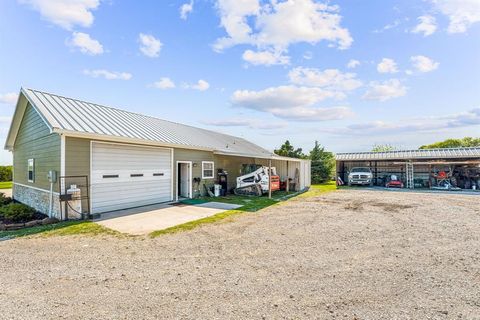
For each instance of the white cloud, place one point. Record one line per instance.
(352, 64)
(330, 79)
(9, 98)
(427, 25)
(291, 102)
(308, 55)
(277, 25)
(65, 13)
(149, 45)
(389, 26)
(85, 43)
(201, 85)
(109, 75)
(424, 64)
(461, 13)
(387, 66)
(314, 114)
(415, 125)
(383, 91)
(5, 119)
(245, 122)
(267, 58)
(186, 9)
(164, 83)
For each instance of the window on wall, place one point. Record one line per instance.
(207, 169)
(31, 170)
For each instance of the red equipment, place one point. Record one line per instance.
(393, 182)
(275, 183)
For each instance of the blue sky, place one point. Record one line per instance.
(349, 74)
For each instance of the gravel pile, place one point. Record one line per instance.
(351, 254)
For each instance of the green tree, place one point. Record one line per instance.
(454, 143)
(323, 164)
(287, 150)
(382, 147)
(5, 173)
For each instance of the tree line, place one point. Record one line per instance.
(467, 142)
(323, 162)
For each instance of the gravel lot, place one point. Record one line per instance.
(351, 254)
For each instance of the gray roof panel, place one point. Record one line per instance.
(84, 117)
(449, 153)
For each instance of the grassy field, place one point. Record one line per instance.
(6, 185)
(249, 204)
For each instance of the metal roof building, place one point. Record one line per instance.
(119, 159)
(72, 116)
(451, 153)
(457, 167)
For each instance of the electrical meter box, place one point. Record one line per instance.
(52, 176)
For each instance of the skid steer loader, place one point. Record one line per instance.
(255, 183)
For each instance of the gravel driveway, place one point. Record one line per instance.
(350, 254)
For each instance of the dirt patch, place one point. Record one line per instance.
(344, 255)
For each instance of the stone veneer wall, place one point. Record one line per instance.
(37, 199)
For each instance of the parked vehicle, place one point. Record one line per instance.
(360, 176)
(255, 181)
(392, 181)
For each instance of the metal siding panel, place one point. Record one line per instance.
(34, 140)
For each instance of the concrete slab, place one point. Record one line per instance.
(144, 220)
(219, 205)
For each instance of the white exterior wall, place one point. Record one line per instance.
(304, 167)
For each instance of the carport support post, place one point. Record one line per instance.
(288, 183)
(270, 179)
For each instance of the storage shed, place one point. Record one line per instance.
(452, 168)
(117, 159)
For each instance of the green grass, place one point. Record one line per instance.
(318, 189)
(249, 204)
(6, 185)
(65, 228)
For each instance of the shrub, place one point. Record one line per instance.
(17, 212)
(6, 173)
(4, 200)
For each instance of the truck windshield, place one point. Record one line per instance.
(360, 170)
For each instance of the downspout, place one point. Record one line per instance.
(50, 205)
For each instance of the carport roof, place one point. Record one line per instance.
(73, 117)
(449, 153)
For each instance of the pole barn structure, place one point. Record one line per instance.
(451, 168)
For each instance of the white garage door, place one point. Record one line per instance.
(125, 176)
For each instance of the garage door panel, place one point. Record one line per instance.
(139, 189)
(122, 190)
(119, 176)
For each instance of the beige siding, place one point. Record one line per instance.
(77, 157)
(34, 141)
(196, 157)
(77, 162)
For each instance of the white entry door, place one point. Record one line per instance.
(127, 176)
(184, 179)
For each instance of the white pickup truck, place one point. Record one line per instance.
(360, 176)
